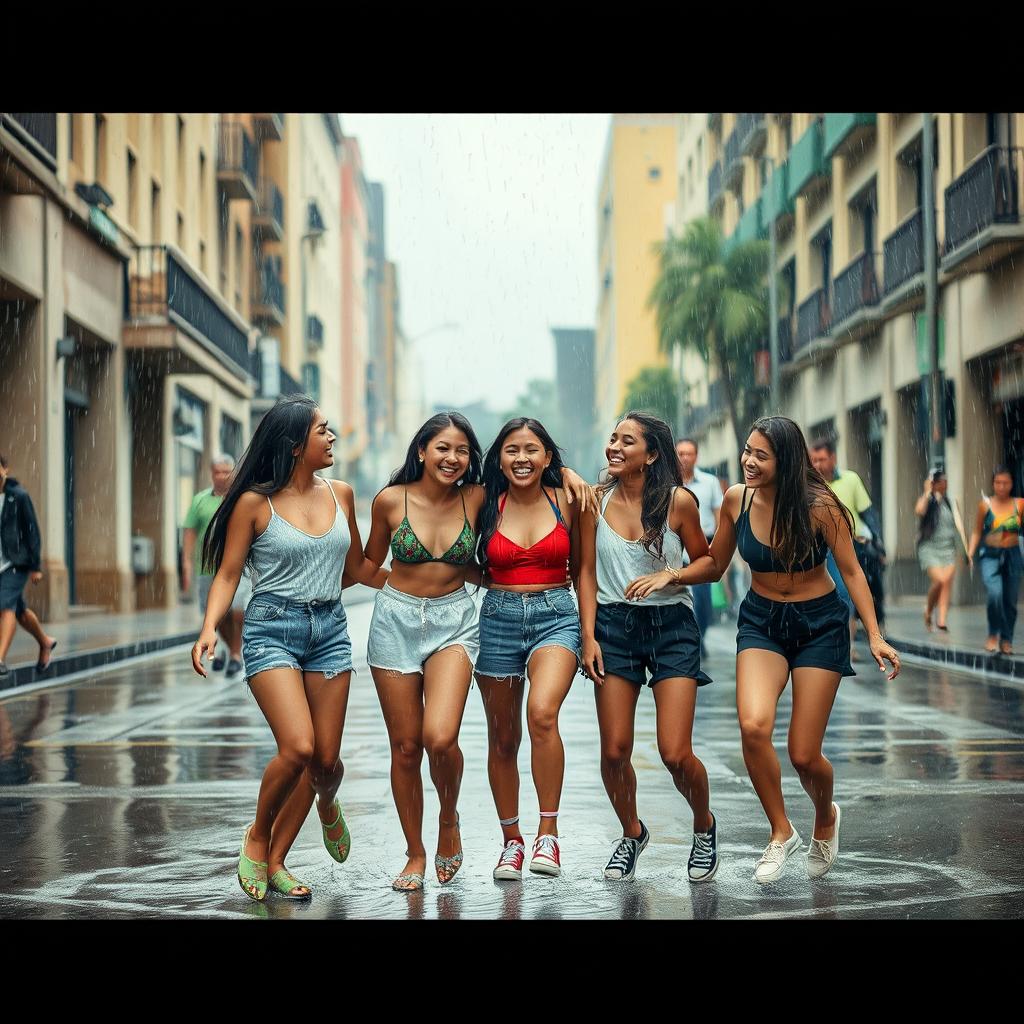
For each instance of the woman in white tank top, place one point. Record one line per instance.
(638, 624)
(297, 533)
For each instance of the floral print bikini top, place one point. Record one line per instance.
(406, 546)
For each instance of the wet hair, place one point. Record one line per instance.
(412, 469)
(265, 467)
(496, 483)
(660, 477)
(799, 487)
(930, 520)
(827, 443)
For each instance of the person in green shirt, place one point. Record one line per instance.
(867, 529)
(201, 511)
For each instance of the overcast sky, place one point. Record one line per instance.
(491, 219)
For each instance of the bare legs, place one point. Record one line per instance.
(551, 670)
(940, 593)
(424, 712)
(761, 676)
(230, 629)
(30, 623)
(675, 700)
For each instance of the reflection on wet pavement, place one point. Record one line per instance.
(126, 796)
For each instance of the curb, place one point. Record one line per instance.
(73, 663)
(980, 662)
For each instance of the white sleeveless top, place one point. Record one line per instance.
(620, 561)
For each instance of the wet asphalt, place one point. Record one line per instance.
(125, 796)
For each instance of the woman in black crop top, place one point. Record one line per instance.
(784, 518)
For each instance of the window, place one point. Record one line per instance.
(71, 138)
(202, 194)
(202, 256)
(181, 158)
(230, 436)
(133, 191)
(654, 173)
(180, 237)
(239, 254)
(99, 153)
(155, 234)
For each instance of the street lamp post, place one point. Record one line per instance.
(936, 395)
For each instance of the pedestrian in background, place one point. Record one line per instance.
(867, 532)
(200, 513)
(999, 520)
(708, 491)
(298, 655)
(936, 546)
(20, 561)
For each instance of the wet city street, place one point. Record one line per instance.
(125, 796)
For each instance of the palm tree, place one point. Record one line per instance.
(653, 389)
(712, 297)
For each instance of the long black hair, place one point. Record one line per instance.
(930, 520)
(265, 467)
(660, 477)
(496, 483)
(799, 486)
(412, 469)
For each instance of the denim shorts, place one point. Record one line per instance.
(660, 639)
(406, 630)
(311, 636)
(808, 634)
(12, 589)
(513, 626)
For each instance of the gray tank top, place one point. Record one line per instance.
(290, 563)
(620, 561)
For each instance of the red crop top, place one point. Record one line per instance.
(547, 561)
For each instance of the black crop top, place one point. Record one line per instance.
(759, 556)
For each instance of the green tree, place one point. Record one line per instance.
(653, 389)
(713, 298)
(540, 402)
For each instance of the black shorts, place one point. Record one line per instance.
(660, 639)
(808, 634)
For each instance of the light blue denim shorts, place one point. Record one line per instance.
(406, 630)
(311, 636)
(513, 626)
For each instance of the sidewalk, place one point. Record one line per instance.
(963, 645)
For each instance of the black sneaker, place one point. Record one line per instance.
(622, 866)
(218, 664)
(234, 667)
(703, 862)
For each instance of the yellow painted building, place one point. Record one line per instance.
(638, 186)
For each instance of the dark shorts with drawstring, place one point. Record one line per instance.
(808, 634)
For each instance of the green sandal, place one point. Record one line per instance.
(338, 848)
(252, 874)
(282, 882)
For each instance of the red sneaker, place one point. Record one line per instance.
(510, 864)
(546, 858)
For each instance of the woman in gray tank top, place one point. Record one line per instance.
(638, 625)
(297, 535)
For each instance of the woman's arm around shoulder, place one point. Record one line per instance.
(384, 508)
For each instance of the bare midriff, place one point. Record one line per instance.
(800, 586)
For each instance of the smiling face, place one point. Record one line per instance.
(523, 458)
(319, 453)
(446, 456)
(626, 451)
(758, 460)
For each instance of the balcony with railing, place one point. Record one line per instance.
(269, 127)
(776, 204)
(785, 330)
(272, 379)
(807, 165)
(752, 130)
(715, 189)
(268, 213)
(733, 168)
(268, 304)
(844, 132)
(855, 297)
(163, 289)
(238, 162)
(813, 320)
(983, 222)
(903, 262)
(314, 332)
(37, 132)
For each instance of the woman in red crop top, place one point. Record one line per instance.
(529, 626)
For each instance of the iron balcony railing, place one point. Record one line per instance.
(288, 384)
(270, 288)
(162, 285)
(856, 288)
(39, 132)
(985, 194)
(785, 339)
(748, 127)
(903, 251)
(813, 319)
(271, 203)
(715, 183)
(733, 156)
(237, 152)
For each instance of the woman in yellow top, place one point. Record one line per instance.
(999, 522)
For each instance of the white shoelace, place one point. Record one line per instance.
(702, 853)
(512, 852)
(775, 853)
(546, 846)
(822, 848)
(623, 852)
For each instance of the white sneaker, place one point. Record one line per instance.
(823, 852)
(773, 860)
(510, 864)
(546, 859)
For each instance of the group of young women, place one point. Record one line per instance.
(528, 529)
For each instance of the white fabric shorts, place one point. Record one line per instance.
(406, 630)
